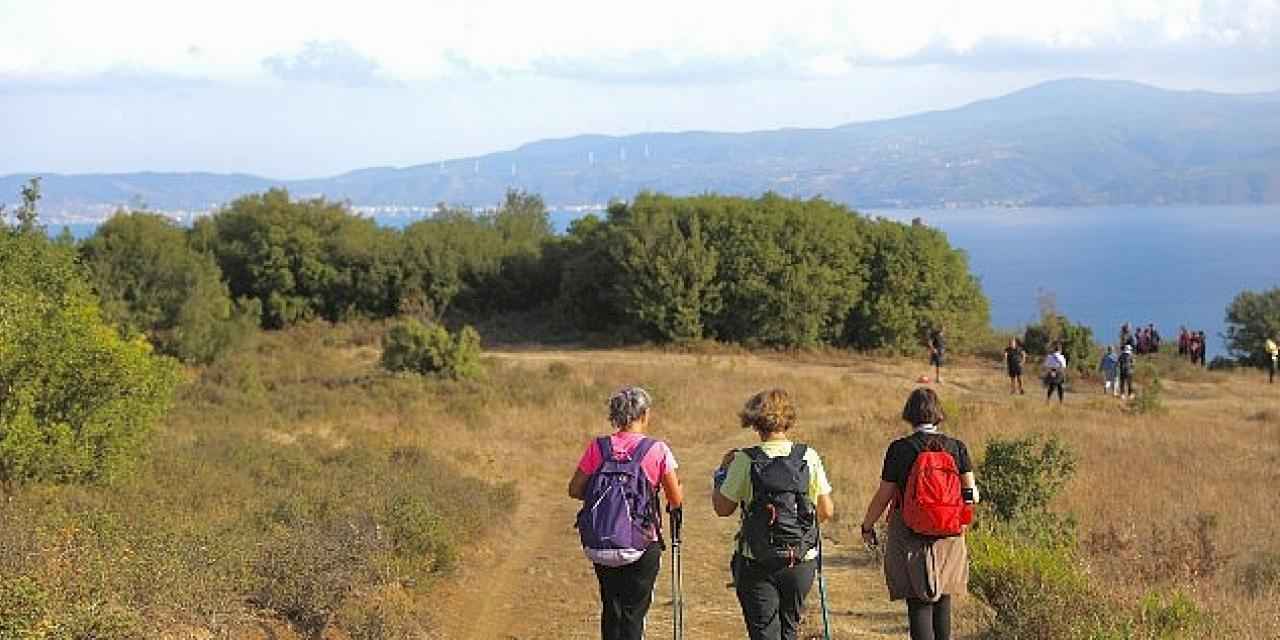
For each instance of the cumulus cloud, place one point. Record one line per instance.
(334, 62)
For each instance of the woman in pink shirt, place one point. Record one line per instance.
(626, 570)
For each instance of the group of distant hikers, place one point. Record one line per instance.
(782, 493)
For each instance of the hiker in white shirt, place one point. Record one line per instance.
(1055, 372)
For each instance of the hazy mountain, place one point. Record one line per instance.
(1068, 142)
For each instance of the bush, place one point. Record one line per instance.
(1150, 400)
(1252, 317)
(151, 281)
(1036, 592)
(76, 399)
(429, 349)
(1021, 476)
(1170, 616)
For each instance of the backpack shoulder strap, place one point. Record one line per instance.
(642, 449)
(798, 451)
(756, 454)
(605, 443)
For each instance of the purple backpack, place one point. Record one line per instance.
(619, 517)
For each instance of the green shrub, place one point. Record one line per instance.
(1171, 616)
(1150, 400)
(76, 399)
(1021, 476)
(1036, 592)
(429, 349)
(419, 533)
(151, 281)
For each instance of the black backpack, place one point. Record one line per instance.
(780, 524)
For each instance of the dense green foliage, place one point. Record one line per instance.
(1077, 340)
(76, 399)
(770, 270)
(429, 349)
(151, 281)
(1253, 317)
(302, 259)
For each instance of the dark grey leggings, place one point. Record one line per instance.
(930, 620)
(1052, 386)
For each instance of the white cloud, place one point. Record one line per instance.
(657, 41)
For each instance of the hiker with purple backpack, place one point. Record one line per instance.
(785, 495)
(620, 524)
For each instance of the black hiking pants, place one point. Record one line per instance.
(930, 620)
(771, 600)
(625, 595)
(1125, 384)
(1052, 385)
(1271, 370)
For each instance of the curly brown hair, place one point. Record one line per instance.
(923, 407)
(769, 411)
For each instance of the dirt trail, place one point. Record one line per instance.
(531, 581)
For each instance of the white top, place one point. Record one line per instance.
(1055, 361)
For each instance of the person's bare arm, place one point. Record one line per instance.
(723, 506)
(672, 489)
(826, 508)
(578, 485)
(879, 502)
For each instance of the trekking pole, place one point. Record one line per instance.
(822, 590)
(677, 577)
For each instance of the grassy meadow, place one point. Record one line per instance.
(297, 490)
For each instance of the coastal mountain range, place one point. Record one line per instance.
(1062, 143)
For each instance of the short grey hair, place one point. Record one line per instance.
(627, 405)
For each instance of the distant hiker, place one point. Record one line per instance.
(1055, 372)
(1126, 335)
(1144, 340)
(1201, 347)
(1108, 366)
(928, 479)
(620, 522)
(1155, 338)
(937, 352)
(1125, 367)
(784, 493)
(1273, 359)
(1194, 347)
(1014, 357)
(1184, 340)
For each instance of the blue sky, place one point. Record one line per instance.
(301, 89)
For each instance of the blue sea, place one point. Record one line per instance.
(1104, 266)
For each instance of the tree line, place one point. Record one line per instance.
(769, 270)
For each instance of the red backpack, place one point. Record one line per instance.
(932, 504)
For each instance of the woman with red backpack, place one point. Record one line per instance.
(928, 479)
(620, 523)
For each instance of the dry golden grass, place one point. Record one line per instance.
(1215, 451)
(1146, 475)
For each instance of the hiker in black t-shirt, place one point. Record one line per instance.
(1014, 357)
(937, 352)
(927, 586)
